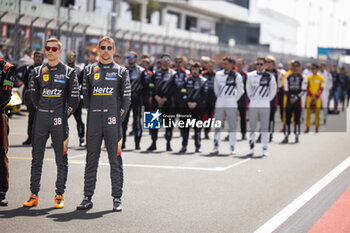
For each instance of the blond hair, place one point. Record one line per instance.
(55, 40)
(108, 39)
(271, 58)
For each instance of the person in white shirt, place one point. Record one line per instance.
(328, 84)
(228, 88)
(261, 89)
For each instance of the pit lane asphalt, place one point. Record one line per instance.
(165, 192)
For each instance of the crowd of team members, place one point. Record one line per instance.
(207, 90)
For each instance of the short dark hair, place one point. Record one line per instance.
(178, 58)
(117, 55)
(229, 59)
(296, 63)
(261, 58)
(196, 64)
(165, 55)
(315, 65)
(38, 51)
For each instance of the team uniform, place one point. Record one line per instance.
(261, 89)
(107, 95)
(137, 84)
(228, 88)
(294, 88)
(328, 84)
(28, 101)
(315, 86)
(55, 94)
(163, 85)
(194, 90)
(210, 97)
(7, 80)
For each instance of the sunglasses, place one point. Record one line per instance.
(269, 61)
(178, 62)
(130, 57)
(48, 48)
(165, 59)
(70, 57)
(259, 64)
(144, 64)
(106, 47)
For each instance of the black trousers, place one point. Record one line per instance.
(103, 125)
(55, 124)
(80, 124)
(136, 108)
(4, 163)
(290, 109)
(195, 115)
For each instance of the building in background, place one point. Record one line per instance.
(190, 27)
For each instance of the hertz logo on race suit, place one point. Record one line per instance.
(103, 91)
(52, 92)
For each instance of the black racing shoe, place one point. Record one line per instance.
(270, 139)
(27, 142)
(198, 150)
(152, 147)
(86, 204)
(296, 139)
(168, 147)
(206, 137)
(117, 205)
(183, 150)
(137, 147)
(285, 140)
(3, 201)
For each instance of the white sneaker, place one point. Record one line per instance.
(233, 151)
(265, 153)
(215, 151)
(251, 152)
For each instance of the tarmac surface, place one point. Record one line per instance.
(169, 192)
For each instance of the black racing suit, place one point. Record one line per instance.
(163, 86)
(243, 106)
(55, 94)
(273, 105)
(28, 101)
(210, 101)
(78, 112)
(137, 84)
(147, 89)
(179, 81)
(343, 79)
(7, 80)
(107, 95)
(295, 87)
(195, 90)
(335, 89)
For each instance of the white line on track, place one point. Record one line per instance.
(293, 207)
(216, 169)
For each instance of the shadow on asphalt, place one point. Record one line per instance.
(17, 146)
(78, 215)
(23, 211)
(215, 155)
